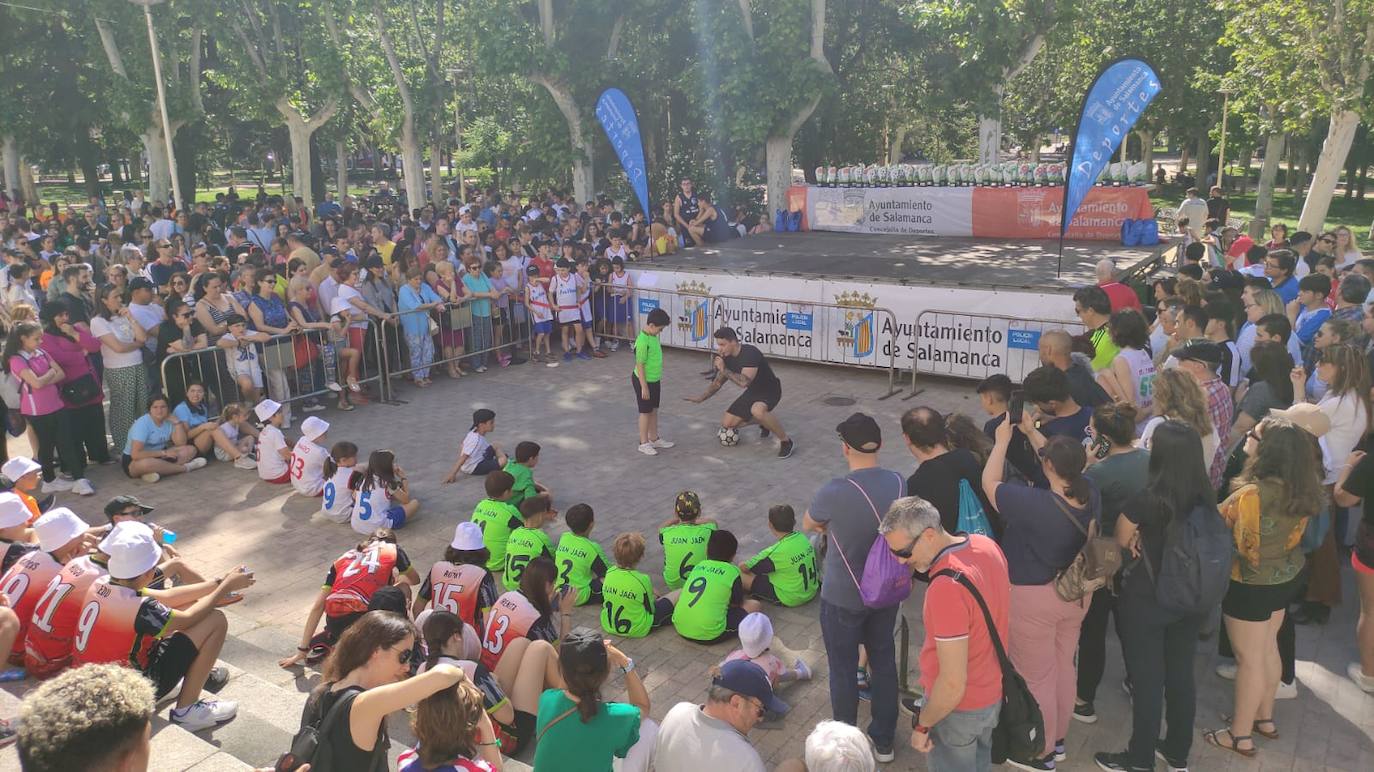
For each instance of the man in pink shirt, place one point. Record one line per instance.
(960, 672)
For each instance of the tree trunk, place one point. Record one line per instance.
(1183, 157)
(27, 183)
(299, 129)
(436, 180)
(1291, 174)
(1264, 195)
(1147, 152)
(412, 166)
(1334, 151)
(1364, 172)
(1035, 148)
(989, 139)
(777, 153)
(582, 176)
(116, 171)
(159, 172)
(1243, 161)
(894, 147)
(341, 170)
(1204, 160)
(10, 148)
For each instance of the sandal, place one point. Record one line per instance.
(1272, 734)
(344, 406)
(1211, 736)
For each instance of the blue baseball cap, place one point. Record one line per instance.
(746, 678)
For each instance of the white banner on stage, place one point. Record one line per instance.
(902, 211)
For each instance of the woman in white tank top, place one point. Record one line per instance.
(1131, 375)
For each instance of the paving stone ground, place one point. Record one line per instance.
(583, 415)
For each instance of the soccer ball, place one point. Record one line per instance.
(728, 436)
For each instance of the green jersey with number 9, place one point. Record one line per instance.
(790, 564)
(700, 611)
(627, 607)
(684, 545)
(524, 545)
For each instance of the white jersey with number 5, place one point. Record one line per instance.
(370, 507)
(337, 501)
(307, 467)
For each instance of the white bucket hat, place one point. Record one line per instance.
(18, 467)
(132, 553)
(266, 409)
(313, 426)
(467, 536)
(13, 511)
(57, 527)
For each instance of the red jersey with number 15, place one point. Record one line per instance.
(466, 591)
(357, 575)
(48, 644)
(24, 584)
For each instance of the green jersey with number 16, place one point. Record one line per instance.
(684, 545)
(627, 607)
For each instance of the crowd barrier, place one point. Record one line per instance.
(974, 346)
(852, 332)
(456, 334)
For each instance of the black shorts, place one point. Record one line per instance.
(124, 461)
(595, 587)
(663, 612)
(646, 405)
(762, 588)
(488, 464)
(168, 662)
(742, 406)
(1257, 602)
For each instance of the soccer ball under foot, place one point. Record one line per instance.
(728, 436)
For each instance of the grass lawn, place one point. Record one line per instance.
(1350, 212)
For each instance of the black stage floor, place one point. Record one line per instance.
(949, 261)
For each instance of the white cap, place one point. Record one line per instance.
(57, 527)
(266, 409)
(123, 525)
(13, 511)
(467, 536)
(755, 634)
(133, 552)
(18, 467)
(313, 426)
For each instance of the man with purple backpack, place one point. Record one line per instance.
(864, 585)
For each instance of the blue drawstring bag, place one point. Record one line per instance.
(780, 222)
(794, 222)
(972, 517)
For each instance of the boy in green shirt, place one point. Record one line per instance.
(684, 539)
(497, 518)
(528, 541)
(521, 468)
(712, 603)
(581, 562)
(646, 380)
(784, 572)
(629, 607)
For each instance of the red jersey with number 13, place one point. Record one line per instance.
(512, 617)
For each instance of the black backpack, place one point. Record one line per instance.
(1195, 569)
(310, 745)
(1020, 730)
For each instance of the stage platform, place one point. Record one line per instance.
(905, 260)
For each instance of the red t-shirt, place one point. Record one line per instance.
(951, 613)
(1120, 295)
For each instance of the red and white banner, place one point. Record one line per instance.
(1007, 213)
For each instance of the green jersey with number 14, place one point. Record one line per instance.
(790, 563)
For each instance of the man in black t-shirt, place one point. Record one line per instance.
(744, 365)
(941, 469)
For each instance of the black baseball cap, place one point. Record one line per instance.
(860, 432)
(532, 270)
(140, 282)
(1206, 353)
(563, 263)
(120, 503)
(746, 678)
(583, 651)
(482, 415)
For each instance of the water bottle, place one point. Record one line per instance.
(169, 537)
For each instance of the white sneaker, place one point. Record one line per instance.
(1361, 680)
(1286, 691)
(1227, 670)
(57, 485)
(151, 477)
(83, 487)
(244, 462)
(803, 671)
(333, 386)
(195, 464)
(648, 449)
(204, 714)
(662, 444)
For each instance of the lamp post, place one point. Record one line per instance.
(161, 98)
(458, 137)
(1221, 151)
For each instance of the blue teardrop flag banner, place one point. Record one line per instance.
(1110, 108)
(617, 117)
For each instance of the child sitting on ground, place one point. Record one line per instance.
(581, 562)
(22, 476)
(497, 518)
(241, 356)
(684, 538)
(478, 456)
(629, 607)
(238, 432)
(759, 645)
(529, 540)
(522, 469)
(460, 583)
(308, 457)
(383, 500)
(273, 452)
(714, 602)
(785, 571)
(342, 478)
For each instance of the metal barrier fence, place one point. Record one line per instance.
(852, 332)
(445, 335)
(287, 368)
(975, 346)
